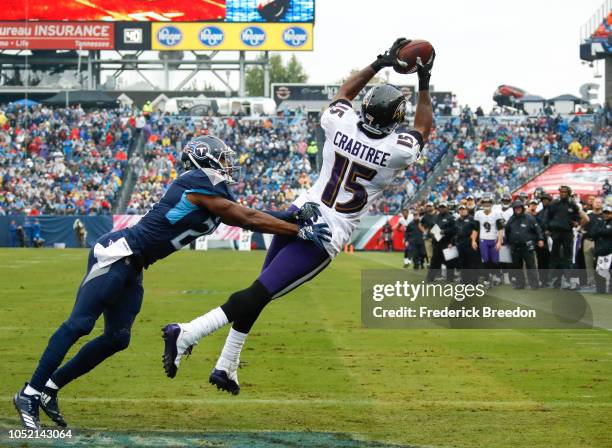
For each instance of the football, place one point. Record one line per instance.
(409, 53)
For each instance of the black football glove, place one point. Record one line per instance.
(310, 210)
(424, 71)
(317, 233)
(389, 57)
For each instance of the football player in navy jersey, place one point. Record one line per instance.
(194, 205)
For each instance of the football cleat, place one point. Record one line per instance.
(223, 381)
(49, 404)
(175, 348)
(27, 407)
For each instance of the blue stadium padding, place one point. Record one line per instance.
(55, 229)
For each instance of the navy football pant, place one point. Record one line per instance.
(289, 263)
(115, 291)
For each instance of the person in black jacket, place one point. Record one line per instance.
(415, 242)
(446, 223)
(595, 216)
(602, 235)
(543, 253)
(523, 233)
(562, 216)
(466, 240)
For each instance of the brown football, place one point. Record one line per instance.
(409, 53)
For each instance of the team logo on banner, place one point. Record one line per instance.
(295, 36)
(253, 36)
(169, 36)
(211, 36)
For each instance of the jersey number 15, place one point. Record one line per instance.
(356, 171)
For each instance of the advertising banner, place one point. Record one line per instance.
(57, 36)
(161, 10)
(320, 92)
(232, 36)
(586, 179)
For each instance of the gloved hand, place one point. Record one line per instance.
(424, 71)
(389, 57)
(308, 211)
(317, 233)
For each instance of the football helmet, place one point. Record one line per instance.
(382, 109)
(210, 152)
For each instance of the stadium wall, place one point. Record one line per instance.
(60, 230)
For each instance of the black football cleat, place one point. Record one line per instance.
(49, 404)
(27, 407)
(223, 382)
(172, 349)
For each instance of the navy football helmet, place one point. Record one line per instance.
(210, 152)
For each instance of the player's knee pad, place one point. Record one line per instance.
(246, 303)
(120, 339)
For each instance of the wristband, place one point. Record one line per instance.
(378, 65)
(424, 83)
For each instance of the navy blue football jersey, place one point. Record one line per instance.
(175, 222)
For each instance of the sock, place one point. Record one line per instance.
(405, 260)
(204, 325)
(29, 390)
(230, 355)
(51, 385)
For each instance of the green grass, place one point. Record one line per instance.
(308, 364)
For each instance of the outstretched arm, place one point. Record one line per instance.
(236, 215)
(423, 118)
(352, 86)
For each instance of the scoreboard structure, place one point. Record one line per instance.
(596, 43)
(170, 27)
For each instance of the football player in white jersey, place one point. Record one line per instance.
(490, 234)
(361, 156)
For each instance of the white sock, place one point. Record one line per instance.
(230, 355)
(29, 390)
(406, 260)
(50, 384)
(204, 325)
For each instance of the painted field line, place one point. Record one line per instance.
(343, 402)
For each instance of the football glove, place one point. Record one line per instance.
(310, 210)
(424, 71)
(317, 233)
(389, 58)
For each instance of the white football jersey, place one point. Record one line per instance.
(355, 171)
(488, 223)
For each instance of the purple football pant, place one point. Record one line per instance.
(488, 252)
(290, 262)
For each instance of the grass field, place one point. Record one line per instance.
(309, 368)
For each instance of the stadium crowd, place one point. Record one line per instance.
(61, 160)
(490, 155)
(68, 161)
(272, 152)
